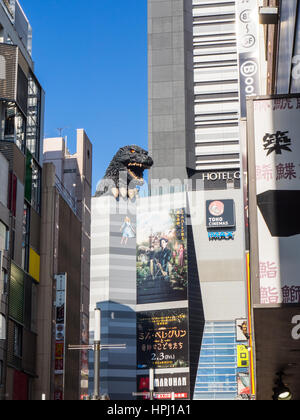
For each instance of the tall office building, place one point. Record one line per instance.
(216, 86)
(193, 88)
(21, 114)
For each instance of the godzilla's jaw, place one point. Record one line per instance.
(136, 171)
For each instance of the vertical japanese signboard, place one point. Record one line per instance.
(59, 357)
(275, 149)
(248, 47)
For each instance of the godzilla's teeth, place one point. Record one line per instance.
(135, 164)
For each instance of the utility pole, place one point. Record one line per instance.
(151, 383)
(96, 347)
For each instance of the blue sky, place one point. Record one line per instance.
(91, 59)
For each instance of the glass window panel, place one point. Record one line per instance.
(2, 327)
(33, 117)
(216, 376)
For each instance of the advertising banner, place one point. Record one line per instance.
(277, 173)
(162, 256)
(242, 332)
(59, 356)
(242, 356)
(243, 381)
(162, 339)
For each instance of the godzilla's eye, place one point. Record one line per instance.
(132, 151)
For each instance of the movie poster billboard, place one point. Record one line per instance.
(276, 171)
(162, 256)
(162, 339)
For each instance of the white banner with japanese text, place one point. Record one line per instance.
(277, 159)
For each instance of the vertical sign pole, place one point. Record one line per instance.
(97, 353)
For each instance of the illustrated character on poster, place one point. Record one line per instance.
(127, 230)
(151, 259)
(163, 259)
(181, 254)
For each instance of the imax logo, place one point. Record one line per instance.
(296, 329)
(219, 236)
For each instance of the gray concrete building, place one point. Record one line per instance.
(113, 290)
(171, 88)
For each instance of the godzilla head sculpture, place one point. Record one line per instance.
(125, 172)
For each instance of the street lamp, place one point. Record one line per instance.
(281, 392)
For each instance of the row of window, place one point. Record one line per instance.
(25, 131)
(217, 370)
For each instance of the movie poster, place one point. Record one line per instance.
(162, 339)
(162, 256)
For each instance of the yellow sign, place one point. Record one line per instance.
(34, 265)
(242, 356)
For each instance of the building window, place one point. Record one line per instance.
(9, 127)
(217, 369)
(15, 126)
(16, 294)
(2, 327)
(4, 246)
(1, 372)
(4, 237)
(18, 340)
(3, 282)
(33, 117)
(34, 307)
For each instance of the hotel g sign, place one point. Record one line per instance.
(218, 176)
